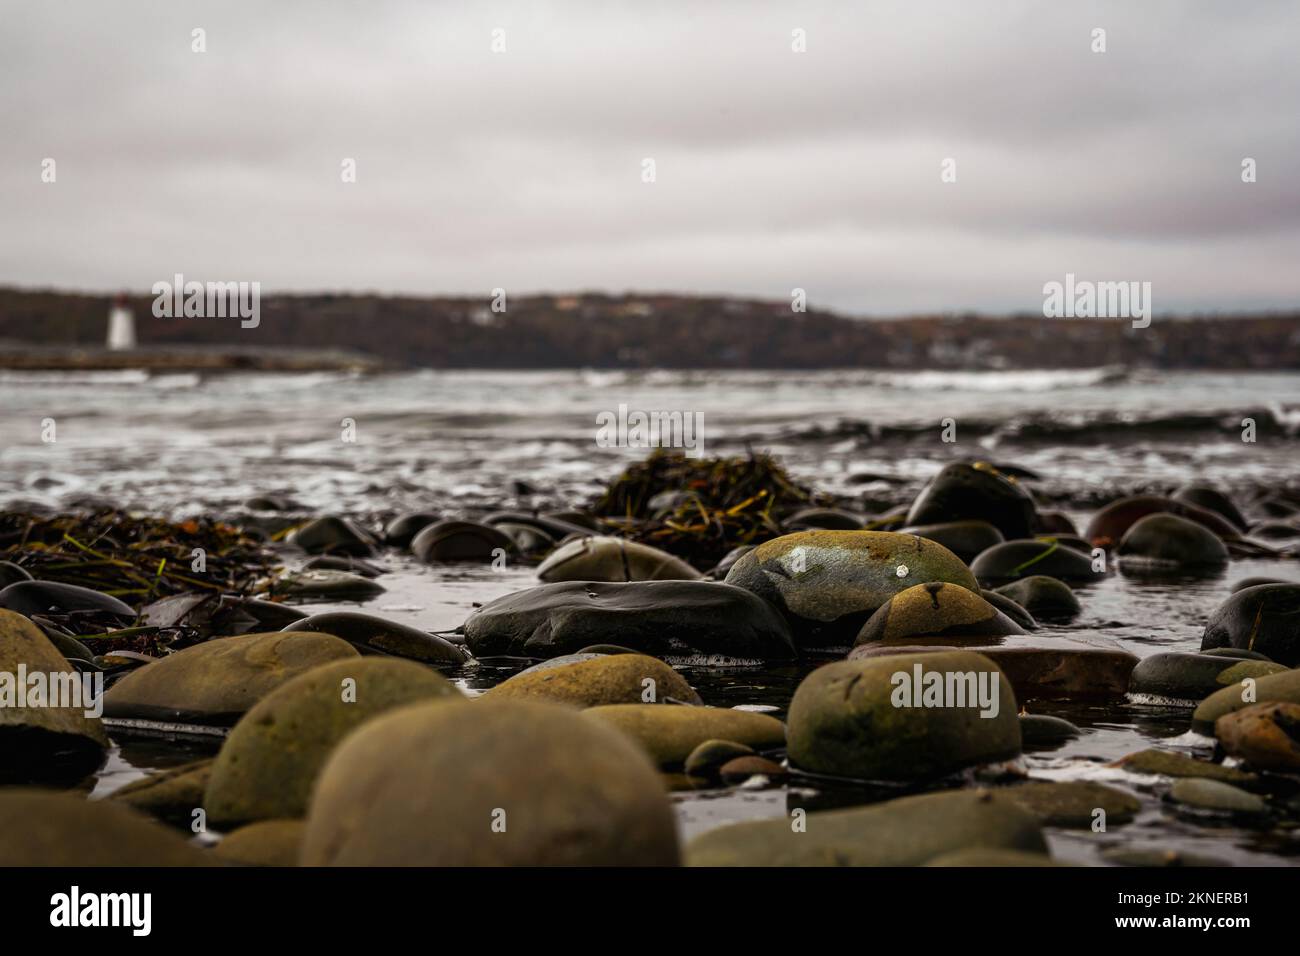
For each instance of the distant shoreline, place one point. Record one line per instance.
(192, 359)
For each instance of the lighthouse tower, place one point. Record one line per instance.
(121, 326)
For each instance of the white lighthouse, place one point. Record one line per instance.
(121, 326)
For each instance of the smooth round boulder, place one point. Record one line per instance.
(966, 539)
(975, 492)
(331, 534)
(505, 783)
(265, 843)
(341, 562)
(604, 558)
(1073, 804)
(1179, 675)
(44, 828)
(1211, 499)
(39, 742)
(601, 679)
(11, 573)
(171, 795)
(401, 531)
(676, 621)
(1045, 597)
(1014, 560)
(1217, 796)
(936, 610)
(325, 584)
(1044, 730)
(39, 597)
(374, 635)
(1166, 541)
(827, 519)
(1280, 688)
(1264, 618)
(741, 769)
(1166, 763)
(670, 734)
(267, 766)
(218, 681)
(908, 831)
(1010, 608)
(903, 717)
(448, 541)
(827, 583)
(1109, 525)
(709, 757)
(1264, 736)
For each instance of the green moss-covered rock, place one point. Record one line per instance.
(505, 783)
(1074, 803)
(1169, 764)
(218, 681)
(1281, 688)
(903, 717)
(265, 843)
(828, 583)
(670, 734)
(1014, 560)
(602, 558)
(909, 831)
(267, 766)
(707, 758)
(43, 743)
(1216, 795)
(43, 828)
(1265, 736)
(1044, 597)
(602, 679)
(936, 610)
(1264, 618)
(963, 492)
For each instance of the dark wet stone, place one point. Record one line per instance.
(1265, 618)
(40, 597)
(729, 559)
(218, 681)
(1264, 736)
(966, 539)
(371, 634)
(909, 831)
(1280, 688)
(1109, 525)
(1169, 764)
(1278, 507)
(11, 573)
(827, 583)
(265, 843)
(1056, 523)
(527, 539)
(1168, 541)
(580, 519)
(602, 558)
(707, 758)
(1256, 582)
(962, 492)
(1211, 499)
(1068, 540)
(1020, 559)
(1041, 730)
(665, 619)
(1046, 598)
(740, 769)
(332, 562)
(1182, 675)
(42, 744)
(433, 785)
(1236, 653)
(670, 734)
(326, 585)
(69, 647)
(1275, 531)
(331, 534)
(42, 828)
(869, 719)
(401, 531)
(936, 610)
(596, 680)
(1073, 804)
(171, 795)
(828, 519)
(1010, 608)
(1216, 795)
(271, 503)
(460, 541)
(274, 754)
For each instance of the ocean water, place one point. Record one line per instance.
(461, 442)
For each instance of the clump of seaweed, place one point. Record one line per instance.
(136, 559)
(701, 508)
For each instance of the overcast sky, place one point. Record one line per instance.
(774, 169)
